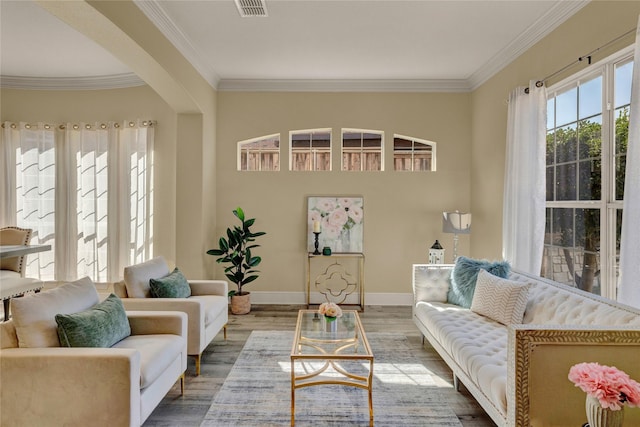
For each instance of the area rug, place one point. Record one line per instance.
(257, 391)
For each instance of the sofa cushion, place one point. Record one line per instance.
(137, 277)
(499, 299)
(477, 344)
(552, 303)
(157, 353)
(464, 275)
(102, 325)
(173, 285)
(34, 314)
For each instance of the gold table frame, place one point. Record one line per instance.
(336, 259)
(331, 348)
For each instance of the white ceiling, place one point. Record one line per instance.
(302, 44)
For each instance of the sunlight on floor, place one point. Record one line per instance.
(396, 373)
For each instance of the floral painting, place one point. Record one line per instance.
(339, 221)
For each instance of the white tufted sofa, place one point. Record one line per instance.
(518, 373)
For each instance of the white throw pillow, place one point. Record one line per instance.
(500, 299)
(34, 315)
(136, 277)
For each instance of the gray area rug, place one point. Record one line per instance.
(257, 391)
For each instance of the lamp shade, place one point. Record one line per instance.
(456, 222)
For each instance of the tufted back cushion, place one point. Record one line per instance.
(431, 282)
(557, 304)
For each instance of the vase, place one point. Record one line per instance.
(345, 240)
(602, 417)
(330, 324)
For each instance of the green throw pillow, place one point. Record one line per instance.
(465, 275)
(174, 285)
(102, 325)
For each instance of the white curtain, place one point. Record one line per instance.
(523, 214)
(629, 279)
(85, 189)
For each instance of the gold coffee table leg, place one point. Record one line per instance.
(293, 394)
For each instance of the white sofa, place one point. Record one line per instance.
(518, 373)
(207, 307)
(44, 384)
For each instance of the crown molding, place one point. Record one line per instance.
(548, 22)
(355, 85)
(156, 14)
(115, 81)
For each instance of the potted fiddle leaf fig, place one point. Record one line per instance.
(235, 251)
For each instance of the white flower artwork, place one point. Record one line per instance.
(339, 221)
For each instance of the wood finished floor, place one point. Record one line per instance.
(219, 357)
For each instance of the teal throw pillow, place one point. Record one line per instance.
(465, 274)
(174, 285)
(102, 325)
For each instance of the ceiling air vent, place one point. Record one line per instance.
(251, 8)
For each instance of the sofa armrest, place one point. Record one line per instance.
(70, 386)
(431, 282)
(209, 287)
(158, 322)
(538, 361)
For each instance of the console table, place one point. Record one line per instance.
(338, 277)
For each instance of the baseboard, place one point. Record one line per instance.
(298, 298)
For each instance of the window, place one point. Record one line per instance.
(587, 129)
(259, 154)
(86, 190)
(310, 150)
(362, 150)
(413, 154)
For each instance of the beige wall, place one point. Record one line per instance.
(402, 209)
(197, 183)
(593, 26)
(112, 105)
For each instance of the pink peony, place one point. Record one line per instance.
(611, 386)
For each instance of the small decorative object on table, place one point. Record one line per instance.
(331, 311)
(608, 389)
(316, 233)
(326, 251)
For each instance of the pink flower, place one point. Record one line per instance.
(338, 218)
(330, 309)
(611, 386)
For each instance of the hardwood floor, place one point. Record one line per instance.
(219, 357)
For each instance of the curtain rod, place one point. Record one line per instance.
(587, 56)
(143, 123)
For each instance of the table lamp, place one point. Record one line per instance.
(457, 223)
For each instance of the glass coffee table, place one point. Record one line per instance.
(330, 353)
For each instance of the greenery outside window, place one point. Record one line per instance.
(362, 150)
(413, 154)
(259, 154)
(310, 150)
(587, 133)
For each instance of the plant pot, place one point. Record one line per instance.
(241, 304)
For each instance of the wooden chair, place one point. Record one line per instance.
(13, 284)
